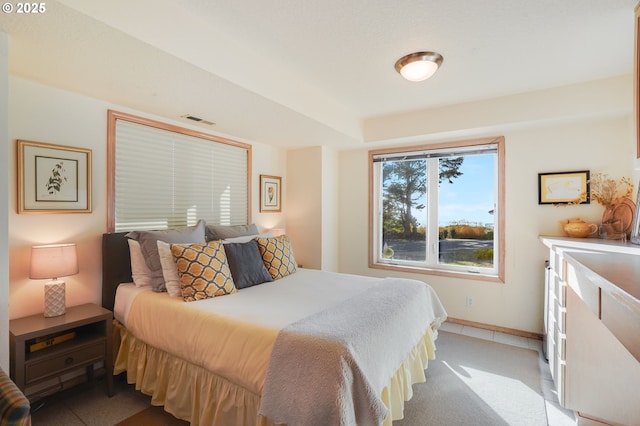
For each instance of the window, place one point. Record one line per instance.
(163, 176)
(439, 209)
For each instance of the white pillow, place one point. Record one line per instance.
(246, 238)
(140, 272)
(169, 270)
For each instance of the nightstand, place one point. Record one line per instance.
(84, 336)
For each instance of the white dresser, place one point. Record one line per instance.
(593, 328)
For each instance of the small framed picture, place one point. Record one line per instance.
(270, 193)
(564, 188)
(53, 178)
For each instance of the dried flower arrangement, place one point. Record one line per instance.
(605, 190)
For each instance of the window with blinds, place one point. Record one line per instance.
(163, 176)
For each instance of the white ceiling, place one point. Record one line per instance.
(300, 72)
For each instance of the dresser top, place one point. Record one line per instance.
(613, 265)
(612, 246)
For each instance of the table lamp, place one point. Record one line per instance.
(277, 231)
(53, 261)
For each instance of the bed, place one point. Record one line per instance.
(309, 347)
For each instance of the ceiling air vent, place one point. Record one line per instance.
(198, 119)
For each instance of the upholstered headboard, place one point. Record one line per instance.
(116, 260)
(116, 266)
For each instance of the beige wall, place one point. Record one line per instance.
(330, 210)
(612, 96)
(594, 136)
(312, 211)
(45, 114)
(304, 205)
(325, 202)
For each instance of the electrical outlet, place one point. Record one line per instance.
(469, 301)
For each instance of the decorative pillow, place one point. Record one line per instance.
(139, 270)
(203, 270)
(246, 265)
(222, 232)
(169, 270)
(149, 245)
(277, 256)
(246, 238)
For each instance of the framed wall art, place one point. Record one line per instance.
(270, 193)
(635, 228)
(564, 188)
(53, 178)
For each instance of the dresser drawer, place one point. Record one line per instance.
(561, 346)
(560, 316)
(560, 381)
(560, 290)
(556, 263)
(69, 359)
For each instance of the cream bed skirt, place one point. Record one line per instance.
(194, 394)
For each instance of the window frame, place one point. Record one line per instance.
(112, 118)
(499, 214)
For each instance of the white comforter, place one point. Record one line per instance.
(330, 368)
(233, 335)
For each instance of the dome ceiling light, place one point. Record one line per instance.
(419, 66)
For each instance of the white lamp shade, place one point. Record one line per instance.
(278, 231)
(53, 261)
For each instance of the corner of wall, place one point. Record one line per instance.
(330, 207)
(4, 207)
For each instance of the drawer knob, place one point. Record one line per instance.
(68, 361)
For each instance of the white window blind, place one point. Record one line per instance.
(165, 179)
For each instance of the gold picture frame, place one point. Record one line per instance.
(564, 188)
(635, 227)
(53, 178)
(270, 193)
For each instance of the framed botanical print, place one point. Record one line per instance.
(53, 178)
(270, 193)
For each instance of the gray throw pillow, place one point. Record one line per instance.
(222, 232)
(149, 246)
(245, 262)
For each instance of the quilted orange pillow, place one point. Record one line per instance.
(203, 270)
(277, 256)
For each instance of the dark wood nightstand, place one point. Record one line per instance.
(87, 330)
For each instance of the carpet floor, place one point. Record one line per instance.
(471, 382)
(478, 382)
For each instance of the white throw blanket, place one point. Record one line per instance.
(330, 368)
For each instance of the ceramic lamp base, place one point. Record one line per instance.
(54, 299)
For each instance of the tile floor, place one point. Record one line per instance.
(88, 405)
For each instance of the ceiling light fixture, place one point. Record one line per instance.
(419, 66)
